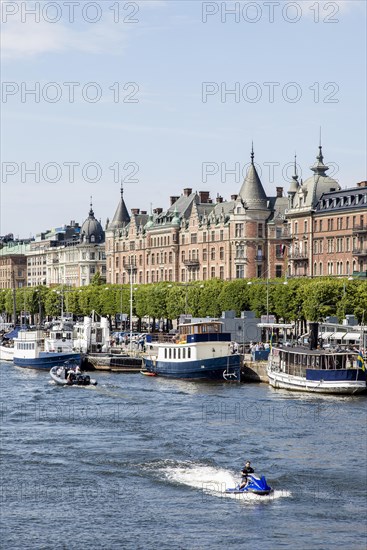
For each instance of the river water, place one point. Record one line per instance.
(141, 462)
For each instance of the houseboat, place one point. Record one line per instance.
(200, 350)
(314, 369)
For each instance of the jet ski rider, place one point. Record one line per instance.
(247, 469)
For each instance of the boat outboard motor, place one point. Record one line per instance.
(314, 335)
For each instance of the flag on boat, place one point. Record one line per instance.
(360, 361)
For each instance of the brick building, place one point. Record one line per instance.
(318, 229)
(13, 264)
(198, 239)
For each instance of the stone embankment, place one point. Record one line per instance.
(253, 371)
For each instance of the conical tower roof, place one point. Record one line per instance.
(121, 217)
(252, 191)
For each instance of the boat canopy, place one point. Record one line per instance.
(203, 327)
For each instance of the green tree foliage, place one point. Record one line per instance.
(235, 295)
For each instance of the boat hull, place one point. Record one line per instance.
(6, 354)
(327, 384)
(46, 361)
(203, 369)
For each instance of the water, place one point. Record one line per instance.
(140, 462)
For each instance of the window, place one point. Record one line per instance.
(296, 228)
(170, 258)
(221, 235)
(260, 230)
(278, 271)
(204, 237)
(240, 251)
(221, 253)
(205, 255)
(221, 272)
(153, 259)
(204, 273)
(239, 230)
(132, 246)
(194, 238)
(213, 235)
(320, 225)
(306, 226)
(212, 254)
(183, 256)
(212, 272)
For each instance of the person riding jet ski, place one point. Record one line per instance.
(247, 469)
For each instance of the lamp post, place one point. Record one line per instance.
(131, 268)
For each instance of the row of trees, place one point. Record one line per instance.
(307, 299)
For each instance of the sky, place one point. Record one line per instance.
(164, 95)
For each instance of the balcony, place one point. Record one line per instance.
(192, 264)
(298, 256)
(359, 252)
(284, 234)
(360, 229)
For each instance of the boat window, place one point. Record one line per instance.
(165, 353)
(178, 354)
(183, 353)
(170, 353)
(174, 353)
(188, 353)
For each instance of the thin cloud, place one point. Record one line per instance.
(32, 39)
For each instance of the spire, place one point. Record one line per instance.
(252, 153)
(293, 188)
(91, 213)
(252, 191)
(121, 217)
(319, 167)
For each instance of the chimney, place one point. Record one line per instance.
(135, 211)
(173, 200)
(158, 211)
(143, 212)
(187, 192)
(314, 335)
(279, 191)
(219, 199)
(204, 196)
(234, 197)
(362, 184)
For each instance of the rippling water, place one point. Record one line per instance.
(140, 462)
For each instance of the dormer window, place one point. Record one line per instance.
(92, 239)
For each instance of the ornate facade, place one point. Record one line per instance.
(251, 235)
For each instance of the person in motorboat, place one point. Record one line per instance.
(247, 469)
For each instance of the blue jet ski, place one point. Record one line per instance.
(255, 485)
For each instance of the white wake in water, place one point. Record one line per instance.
(214, 481)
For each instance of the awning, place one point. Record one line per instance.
(325, 335)
(352, 336)
(338, 335)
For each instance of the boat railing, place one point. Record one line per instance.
(162, 338)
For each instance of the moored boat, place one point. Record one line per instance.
(37, 350)
(200, 351)
(334, 371)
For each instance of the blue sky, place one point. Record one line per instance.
(161, 130)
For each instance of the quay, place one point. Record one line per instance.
(253, 371)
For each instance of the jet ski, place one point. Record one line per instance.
(255, 485)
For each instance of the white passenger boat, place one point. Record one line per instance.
(335, 371)
(40, 350)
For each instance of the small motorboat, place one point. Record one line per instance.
(255, 485)
(70, 375)
(148, 373)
